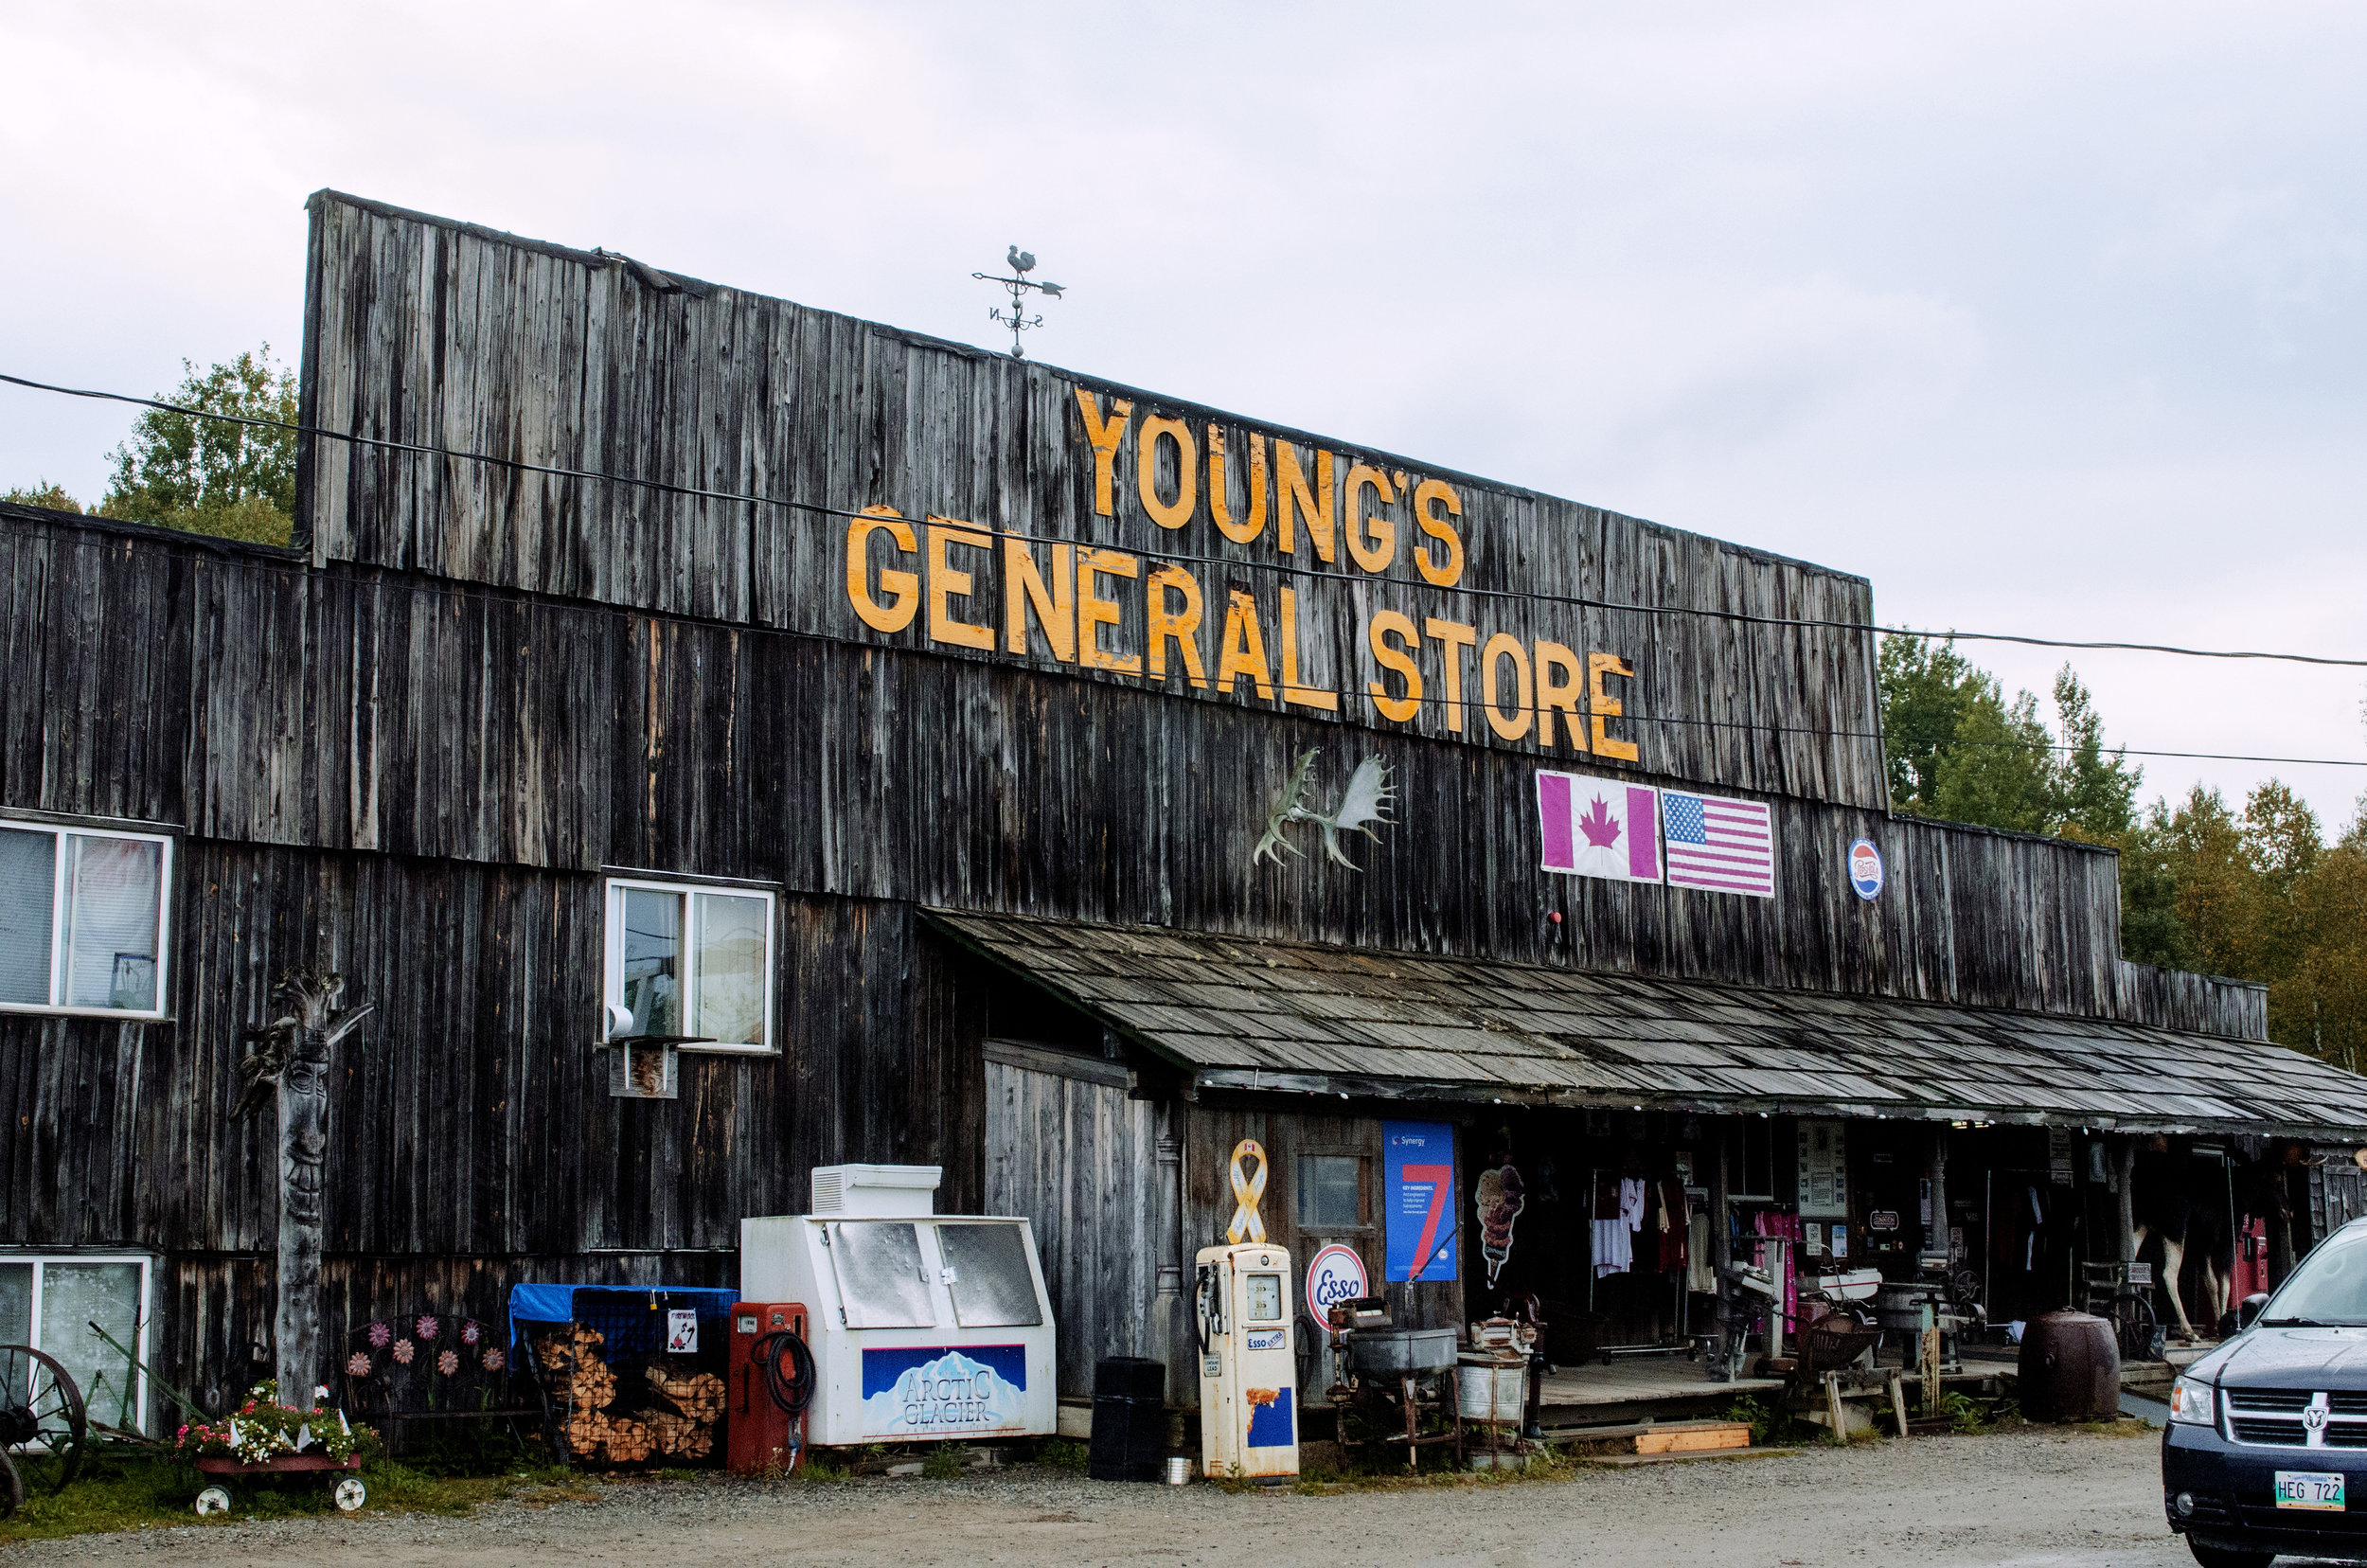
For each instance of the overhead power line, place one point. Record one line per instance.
(1476, 709)
(747, 498)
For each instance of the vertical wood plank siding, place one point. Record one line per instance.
(264, 702)
(447, 335)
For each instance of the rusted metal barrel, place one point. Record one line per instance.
(2071, 1368)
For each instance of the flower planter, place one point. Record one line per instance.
(351, 1493)
(214, 1464)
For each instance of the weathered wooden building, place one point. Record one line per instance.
(895, 723)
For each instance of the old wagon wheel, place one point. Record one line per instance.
(42, 1428)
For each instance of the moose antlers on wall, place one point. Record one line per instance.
(1364, 802)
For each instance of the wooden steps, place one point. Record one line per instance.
(1660, 1437)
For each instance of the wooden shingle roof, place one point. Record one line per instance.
(1248, 1013)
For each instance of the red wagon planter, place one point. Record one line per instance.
(351, 1493)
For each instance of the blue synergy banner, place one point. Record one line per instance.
(1417, 1199)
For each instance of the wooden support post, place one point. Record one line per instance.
(1722, 1253)
(1928, 1361)
(1897, 1384)
(1832, 1407)
(2124, 1205)
(1936, 1234)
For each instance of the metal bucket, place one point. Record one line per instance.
(1900, 1305)
(1179, 1470)
(1491, 1387)
(1400, 1350)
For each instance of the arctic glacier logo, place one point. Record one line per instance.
(931, 1388)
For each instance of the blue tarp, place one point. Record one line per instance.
(557, 1303)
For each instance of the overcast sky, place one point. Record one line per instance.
(2047, 318)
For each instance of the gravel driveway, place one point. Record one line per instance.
(2027, 1497)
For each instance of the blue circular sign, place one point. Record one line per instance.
(1865, 869)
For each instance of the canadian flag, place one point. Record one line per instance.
(1599, 826)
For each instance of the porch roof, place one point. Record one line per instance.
(1238, 1012)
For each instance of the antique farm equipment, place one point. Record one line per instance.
(2070, 1369)
(43, 1426)
(1399, 1382)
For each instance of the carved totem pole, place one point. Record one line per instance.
(287, 1062)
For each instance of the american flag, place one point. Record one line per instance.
(1727, 845)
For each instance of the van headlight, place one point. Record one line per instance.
(2190, 1401)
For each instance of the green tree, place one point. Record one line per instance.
(41, 493)
(1957, 750)
(180, 471)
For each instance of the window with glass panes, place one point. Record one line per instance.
(50, 1302)
(1331, 1192)
(82, 919)
(690, 963)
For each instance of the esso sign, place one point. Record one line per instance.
(1333, 1275)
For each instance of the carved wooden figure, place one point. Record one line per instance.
(287, 1062)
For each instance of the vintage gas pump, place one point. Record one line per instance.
(772, 1383)
(1247, 1406)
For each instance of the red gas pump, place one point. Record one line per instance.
(772, 1383)
(2251, 1260)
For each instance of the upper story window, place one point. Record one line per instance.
(692, 963)
(83, 919)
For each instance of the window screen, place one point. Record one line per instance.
(880, 1281)
(29, 875)
(653, 961)
(992, 1285)
(111, 922)
(1330, 1193)
(731, 969)
(73, 1296)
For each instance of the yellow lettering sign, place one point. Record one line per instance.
(1102, 436)
(1094, 612)
(902, 587)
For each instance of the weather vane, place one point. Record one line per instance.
(1022, 263)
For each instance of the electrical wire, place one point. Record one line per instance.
(1340, 695)
(742, 497)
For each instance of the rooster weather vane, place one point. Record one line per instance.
(1365, 801)
(1022, 263)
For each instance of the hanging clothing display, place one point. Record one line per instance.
(1673, 1226)
(1701, 1273)
(1618, 1213)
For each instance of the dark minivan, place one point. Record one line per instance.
(2267, 1447)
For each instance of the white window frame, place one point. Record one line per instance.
(62, 866)
(40, 1260)
(612, 945)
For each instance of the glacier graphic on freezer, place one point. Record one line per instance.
(918, 1389)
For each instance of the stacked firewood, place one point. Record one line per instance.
(590, 1387)
(679, 1424)
(698, 1398)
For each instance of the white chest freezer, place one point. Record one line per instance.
(923, 1326)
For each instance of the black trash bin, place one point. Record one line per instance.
(1130, 1418)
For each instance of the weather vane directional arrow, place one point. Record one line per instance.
(1022, 263)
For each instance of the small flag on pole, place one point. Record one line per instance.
(1724, 845)
(1598, 827)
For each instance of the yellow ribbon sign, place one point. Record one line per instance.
(1246, 1191)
